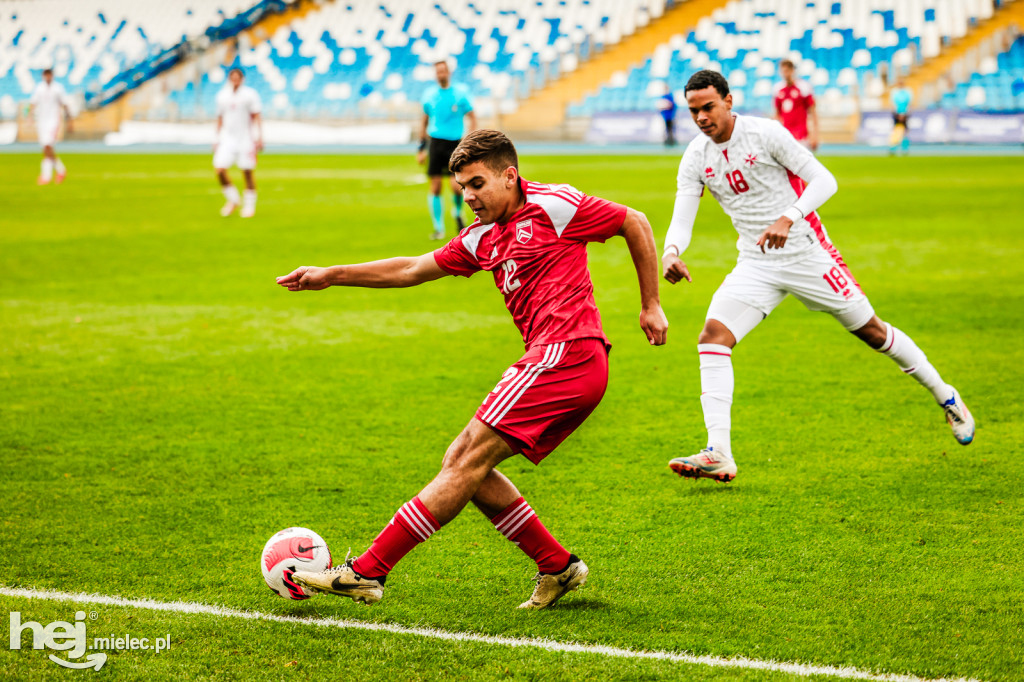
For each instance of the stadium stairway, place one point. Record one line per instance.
(923, 79)
(265, 28)
(545, 110)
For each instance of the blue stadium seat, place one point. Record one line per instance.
(746, 39)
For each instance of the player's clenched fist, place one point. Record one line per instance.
(655, 325)
(674, 270)
(306, 278)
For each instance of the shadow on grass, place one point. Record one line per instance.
(698, 487)
(578, 604)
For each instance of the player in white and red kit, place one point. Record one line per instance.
(239, 140)
(49, 104)
(771, 187)
(795, 107)
(533, 238)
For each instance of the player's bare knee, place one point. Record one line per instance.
(717, 333)
(463, 453)
(873, 333)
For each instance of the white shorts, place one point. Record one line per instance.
(48, 130)
(822, 282)
(241, 153)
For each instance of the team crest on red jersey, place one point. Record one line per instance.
(524, 230)
(709, 172)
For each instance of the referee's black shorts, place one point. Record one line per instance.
(439, 154)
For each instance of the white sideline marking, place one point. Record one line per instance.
(803, 669)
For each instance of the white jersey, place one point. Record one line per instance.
(49, 101)
(754, 177)
(236, 107)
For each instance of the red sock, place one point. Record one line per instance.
(411, 525)
(520, 524)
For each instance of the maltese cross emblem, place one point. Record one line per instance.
(751, 158)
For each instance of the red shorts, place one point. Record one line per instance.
(546, 395)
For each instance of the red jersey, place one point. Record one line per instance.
(539, 260)
(792, 103)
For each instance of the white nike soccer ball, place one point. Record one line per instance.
(293, 549)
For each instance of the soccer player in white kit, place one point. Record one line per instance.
(770, 186)
(49, 101)
(238, 114)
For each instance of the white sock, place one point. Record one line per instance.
(250, 198)
(716, 385)
(59, 166)
(231, 194)
(47, 169)
(912, 360)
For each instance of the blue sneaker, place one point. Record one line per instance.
(959, 419)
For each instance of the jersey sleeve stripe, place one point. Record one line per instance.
(568, 198)
(471, 242)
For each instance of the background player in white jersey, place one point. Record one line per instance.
(757, 171)
(49, 101)
(238, 114)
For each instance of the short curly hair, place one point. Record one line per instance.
(708, 79)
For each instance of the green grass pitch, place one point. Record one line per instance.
(165, 408)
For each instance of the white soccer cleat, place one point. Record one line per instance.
(228, 208)
(959, 419)
(343, 581)
(553, 586)
(247, 211)
(706, 464)
(437, 236)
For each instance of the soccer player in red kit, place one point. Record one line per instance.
(533, 238)
(794, 106)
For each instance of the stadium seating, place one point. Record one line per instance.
(350, 58)
(998, 85)
(89, 42)
(840, 46)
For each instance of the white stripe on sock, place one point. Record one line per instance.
(522, 521)
(513, 518)
(413, 523)
(421, 517)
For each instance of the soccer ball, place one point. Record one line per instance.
(293, 549)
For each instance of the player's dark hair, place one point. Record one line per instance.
(47, 71)
(490, 146)
(708, 79)
(787, 63)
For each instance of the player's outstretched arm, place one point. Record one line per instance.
(640, 238)
(379, 274)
